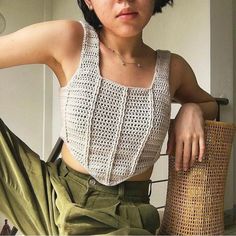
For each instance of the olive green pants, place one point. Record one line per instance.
(45, 198)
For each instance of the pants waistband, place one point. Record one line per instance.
(133, 189)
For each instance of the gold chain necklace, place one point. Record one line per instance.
(124, 63)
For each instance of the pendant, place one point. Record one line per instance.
(139, 65)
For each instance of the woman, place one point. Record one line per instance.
(116, 95)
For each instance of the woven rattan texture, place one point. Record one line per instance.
(195, 199)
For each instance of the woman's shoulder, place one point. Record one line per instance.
(184, 81)
(61, 31)
(177, 63)
(179, 66)
(69, 36)
(71, 26)
(178, 69)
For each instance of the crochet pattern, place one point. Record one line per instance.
(114, 131)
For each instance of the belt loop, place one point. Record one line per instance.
(121, 191)
(150, 188)
(64, 170)
(87, 193)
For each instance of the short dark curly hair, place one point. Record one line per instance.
(92, 19)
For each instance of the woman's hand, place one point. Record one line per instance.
(186, 138)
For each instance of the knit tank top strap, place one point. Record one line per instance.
(163, 74)
(165, 56)
(90, 49)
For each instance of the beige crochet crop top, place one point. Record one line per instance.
(114, 131)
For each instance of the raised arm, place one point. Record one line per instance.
(47, 43)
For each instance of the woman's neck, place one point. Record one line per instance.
(127, 47)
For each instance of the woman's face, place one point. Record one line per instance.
(125, 18)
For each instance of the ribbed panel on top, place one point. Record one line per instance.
(114, 131)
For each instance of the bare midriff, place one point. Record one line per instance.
(74, 164)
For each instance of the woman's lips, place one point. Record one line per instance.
(129, 15)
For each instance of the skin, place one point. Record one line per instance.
(61, 52)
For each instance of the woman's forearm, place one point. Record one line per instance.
(209, 109)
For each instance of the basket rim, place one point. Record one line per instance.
(214, 122)
(221, 123)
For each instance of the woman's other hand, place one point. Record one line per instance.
(186, 138)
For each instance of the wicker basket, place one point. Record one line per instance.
(195, 198)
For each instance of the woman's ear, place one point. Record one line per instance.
(89, 4)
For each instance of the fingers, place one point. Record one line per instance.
(171, 144)
(195, 151)
(202, 147)
(187, 154)
(179, 155)
(188, 150)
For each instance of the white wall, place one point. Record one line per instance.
(25, 91)
(222, 73)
